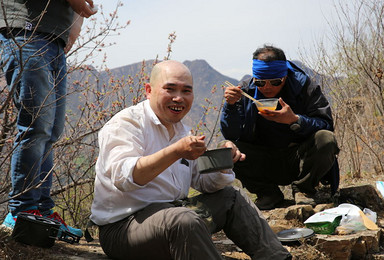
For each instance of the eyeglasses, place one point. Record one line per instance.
(262, 82)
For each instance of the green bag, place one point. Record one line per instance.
(323, 222)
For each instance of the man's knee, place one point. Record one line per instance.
(325, 141)
(184, 220)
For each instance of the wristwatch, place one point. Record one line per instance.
(295, 127)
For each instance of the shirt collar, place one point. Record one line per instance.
(180, 128)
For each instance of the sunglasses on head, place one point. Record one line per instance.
(263, 82)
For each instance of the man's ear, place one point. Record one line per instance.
(148, 90)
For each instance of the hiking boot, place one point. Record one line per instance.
(64, 227)
(10, 220)
(269, 201)
(303, 198)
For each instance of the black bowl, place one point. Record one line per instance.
(215, 160)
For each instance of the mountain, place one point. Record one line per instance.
(208, 84)
(136, 75)
(204, 79)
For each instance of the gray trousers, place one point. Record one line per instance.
(166, 231)
(302, 165)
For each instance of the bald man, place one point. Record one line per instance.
(144, 171)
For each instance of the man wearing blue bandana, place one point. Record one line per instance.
(292, 145)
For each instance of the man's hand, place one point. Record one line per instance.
(83, 7)
(74, 32)
(190, 147)
(148, 167)
(236, 154)
(232, 94)
(285, 115)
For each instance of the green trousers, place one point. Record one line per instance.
(174, 231)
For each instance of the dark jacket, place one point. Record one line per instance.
(53, 17)
(241, 121)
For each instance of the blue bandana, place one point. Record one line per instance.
(270, 69)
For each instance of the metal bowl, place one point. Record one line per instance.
(215, 160)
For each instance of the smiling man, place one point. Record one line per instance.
(294, 144)
(144, 171)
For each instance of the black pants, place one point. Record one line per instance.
(302, 165)
(165, 231)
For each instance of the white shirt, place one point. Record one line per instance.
(132, 133)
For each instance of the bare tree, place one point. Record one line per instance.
(352, 71)
(76, 151)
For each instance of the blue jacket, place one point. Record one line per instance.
(241, 121)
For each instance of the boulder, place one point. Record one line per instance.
(360, 245)
(364, 196)
(354, 246)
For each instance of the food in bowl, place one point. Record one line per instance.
(268, 103)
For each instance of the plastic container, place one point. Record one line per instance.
(268, 103)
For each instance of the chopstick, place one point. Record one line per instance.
(229, 84)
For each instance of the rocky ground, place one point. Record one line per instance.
(83, 250)
(285, 217)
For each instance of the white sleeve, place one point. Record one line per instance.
(121, 145)
(210, 182)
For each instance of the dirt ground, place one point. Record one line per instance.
(62, 250)
(12, 250)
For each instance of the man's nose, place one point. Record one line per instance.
(267, 84)
(177, 98)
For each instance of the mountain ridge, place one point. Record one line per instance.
(208, 85)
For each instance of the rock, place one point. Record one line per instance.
(282, 224)
(354, 246)
(364, 196)
(299, 212)
(321, 207)
(360, 245)
(280, 219)
(295, 212)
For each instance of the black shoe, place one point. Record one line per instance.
(269, 201)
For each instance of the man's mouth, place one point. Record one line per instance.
(176, 108)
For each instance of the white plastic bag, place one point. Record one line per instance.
(353, 219)
(370, 214)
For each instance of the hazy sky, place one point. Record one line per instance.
(225, 33)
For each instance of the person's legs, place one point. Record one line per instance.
(317, 155)
(59, 92)
(264, 169)
(159, 231)
(36, 75)
(30, 76)
(243, 223)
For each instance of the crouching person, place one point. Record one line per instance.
(144, 171)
